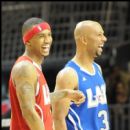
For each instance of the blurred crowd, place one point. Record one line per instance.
(118, 86)
(118, 94)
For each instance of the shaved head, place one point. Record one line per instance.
(85, 27)
(89, 37)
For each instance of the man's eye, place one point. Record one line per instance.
(49, 34)
(41, 36)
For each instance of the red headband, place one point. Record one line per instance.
(36, 29)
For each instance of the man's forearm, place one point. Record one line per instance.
(33, 121)
(58, 95)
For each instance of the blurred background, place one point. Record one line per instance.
(63, 16)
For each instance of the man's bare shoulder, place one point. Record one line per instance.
(67, 72)
(67, 77)
(23, 69)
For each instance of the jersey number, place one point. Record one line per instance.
(103, 114)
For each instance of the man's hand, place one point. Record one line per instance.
(73, 95)
(76, 96)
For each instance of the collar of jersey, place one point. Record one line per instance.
(84, 70)
(38, 66)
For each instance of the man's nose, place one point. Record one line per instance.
(48, 40)
(104, 38)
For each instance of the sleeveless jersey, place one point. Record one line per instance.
(93, 113)
(42, 100)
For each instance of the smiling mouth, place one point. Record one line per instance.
(46, 48)
(101, 46)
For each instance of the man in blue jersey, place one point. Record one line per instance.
(82, 73)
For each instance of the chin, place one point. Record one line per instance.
(98, 54)
(47, 54)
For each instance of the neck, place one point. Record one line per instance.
(83, 57)
(37, 59)
(84, 60)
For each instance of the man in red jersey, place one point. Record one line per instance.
(29, 94)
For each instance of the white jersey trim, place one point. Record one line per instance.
(73, 122)
(38, 66)
(84, 70)
(79, 123)
(37, 89)
(40, 111)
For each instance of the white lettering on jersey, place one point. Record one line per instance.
(46, 94)
(99, 98)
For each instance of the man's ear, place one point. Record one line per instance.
(28, 43)
(84, 40)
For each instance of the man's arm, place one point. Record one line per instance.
(66, 79)
(74, 95)
(25, 79)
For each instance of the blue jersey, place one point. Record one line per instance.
(93, 113)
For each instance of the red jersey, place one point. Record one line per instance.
(42, 99)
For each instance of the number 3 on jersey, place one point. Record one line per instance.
(103, 114)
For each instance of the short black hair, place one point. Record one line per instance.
(29, 23)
